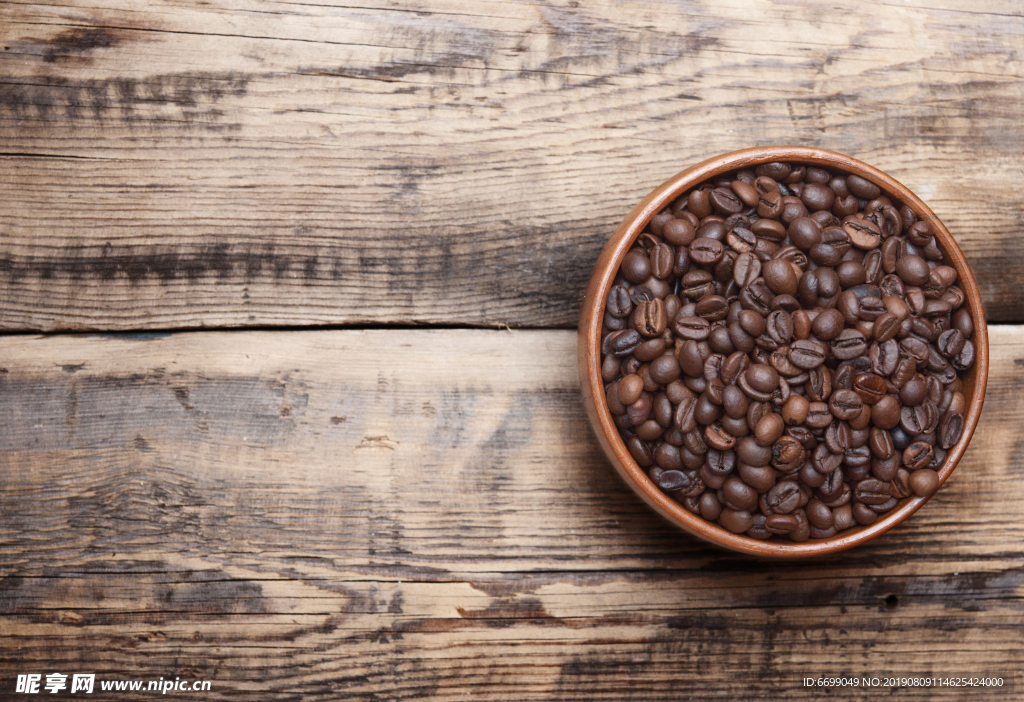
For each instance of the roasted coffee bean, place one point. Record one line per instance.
(806, 354)
(881, 443)
(845, 404)
(783, 497)
(769, 429)
(718, 438)
(691, 328)
(918, 455)
(818, 514)
(624, 342)
(649, 318)
(885, 414)
(746, 269)
(664, 369)
(924, 482)
(951, 428)
(636, 267)
(787, 454)
(849, 344)
(863, 514)
(619, 304)
(795, 410)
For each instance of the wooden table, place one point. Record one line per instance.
(288, 398)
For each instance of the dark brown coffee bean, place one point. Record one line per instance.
(630, 389)
(804, 232)
(871, 491)
(912, 270)
(706, 251)
(649, 318)
(738, 495)
(828, 324)
(965, 359)
(924, 483)
(918, 455)
(680, 232)
(818, 514)
(862, 188)
(795, 410)
(736, 521)
(881, 443)
(725, 201)
(950, 342)
(849, 344)
(624, 342)
(951, 428)
(713, 308)
(783, 497)
(762, 377)
(870, 387)
(664, 369)
(619, 304)
(885, 414)
(640, 451)
(781, 276)
(691, 328)
(806, 354)
(865, 235)
(845, 404)
(746, 269)
(636, 267)
(863, 514)
(817, 197)
(769, 429)
(818, 415)
(787, 454)
(718, 438)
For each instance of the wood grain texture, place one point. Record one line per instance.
(390, 515)
(232, 163)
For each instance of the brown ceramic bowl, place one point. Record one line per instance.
(592, 315)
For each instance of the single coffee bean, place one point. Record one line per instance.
(924, 483)
(951, 428)
(781, 276)
(881, 443)
(806, 354)
(918, 455)
(863, 515)
(885, 413)
(746, 269)
(630, 389)
(849, 344)
(795, 410)
(862, 188)
(769, 429)
(762, 377)
(828, 324)
(649, 317)
(636, 267)
(845, 404)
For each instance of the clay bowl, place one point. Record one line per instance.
(589, 354)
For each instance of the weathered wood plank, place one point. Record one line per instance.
(233, 163)
(404, 514)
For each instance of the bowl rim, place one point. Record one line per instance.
(592, 315)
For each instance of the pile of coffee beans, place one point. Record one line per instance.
(781, 350)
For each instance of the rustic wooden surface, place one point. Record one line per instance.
(235, 163)
(381, 515)
(314, 513)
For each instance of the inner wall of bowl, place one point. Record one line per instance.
(840, 163)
